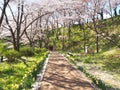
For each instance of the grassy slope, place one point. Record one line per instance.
(76, 42)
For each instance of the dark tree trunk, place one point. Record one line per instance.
(84, 39)
(80, 25)
(102, 16)
(18, 44)
(97, 43)
(97, 37)
(57, 34)
(40, 43)
(3, 11)
(1, 58)
(31, 44)
(63, 43)
(115, 11)
(56, 31)
(69, 32)
(82, 28)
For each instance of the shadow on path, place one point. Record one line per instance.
(60, 75)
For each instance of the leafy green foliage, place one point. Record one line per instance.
(2, 48)
(40, 50)
(112, 64)
(20, 76)
(87, 59)
(11, 55)
(27, 51)
(30, 78)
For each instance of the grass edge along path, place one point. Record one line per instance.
(99, 83)
(32, 76)
(20, 75)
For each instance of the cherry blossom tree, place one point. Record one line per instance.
(17, 26)
(3, 9)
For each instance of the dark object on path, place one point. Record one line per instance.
(51, 48)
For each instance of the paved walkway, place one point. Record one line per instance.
(60, 75)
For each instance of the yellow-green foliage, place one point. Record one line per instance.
(15, 74)
(112, 52)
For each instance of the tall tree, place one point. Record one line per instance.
(17, 26)
(3, 9)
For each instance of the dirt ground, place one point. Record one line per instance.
(60, 75)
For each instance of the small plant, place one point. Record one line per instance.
(43, 49)
(12, 55)
(27, 51)
(37, 50)
(87, 60)
(3, 48)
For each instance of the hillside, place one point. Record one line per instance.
(108, 32)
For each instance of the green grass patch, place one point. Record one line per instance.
(21, 75)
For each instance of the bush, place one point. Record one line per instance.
(43, 49)
(40, 50)
(27, 51)
(12, 55)
(87, 60)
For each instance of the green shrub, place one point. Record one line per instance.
(40, 50)
(12, 55)
(27, 51)
(43, 49)
(87, 60)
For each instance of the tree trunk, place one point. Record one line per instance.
(101, 14)
(110, 10)
(97, 43)
(18, 44)
(115, 11)
(82, 28)
(40, 43)
(63, 41)
(57, 31)
(97, 37)
(3, 11)
(63, 44)
(69, 33)
(80, 25)
(84, 40)
(31, 44)
(1, 58)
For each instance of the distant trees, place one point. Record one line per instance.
(34, 22)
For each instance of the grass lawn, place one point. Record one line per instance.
(15, 76)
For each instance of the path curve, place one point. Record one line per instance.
(60, 75)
